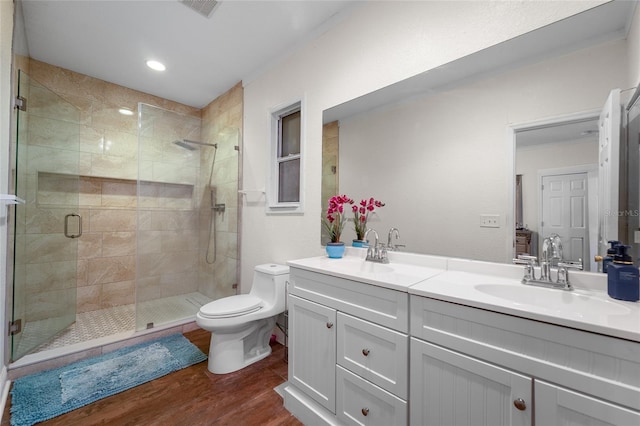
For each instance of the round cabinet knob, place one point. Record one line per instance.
(329, 324)
(520, 404)
(365, 352)
(365, 411)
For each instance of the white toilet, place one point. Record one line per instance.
(241, 325)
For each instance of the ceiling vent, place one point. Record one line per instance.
(203, 7)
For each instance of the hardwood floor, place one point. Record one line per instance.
(193, 396)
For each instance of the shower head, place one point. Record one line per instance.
(188, 144)
(185, 145)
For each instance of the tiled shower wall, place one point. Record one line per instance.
(166, 221)
(221, 124)
(330, 138)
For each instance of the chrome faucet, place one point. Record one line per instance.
(551, 251)
(376, 252)
(390, 245)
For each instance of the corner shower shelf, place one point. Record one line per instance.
(11, 199)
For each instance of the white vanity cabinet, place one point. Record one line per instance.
(348, 351)
(471, 366)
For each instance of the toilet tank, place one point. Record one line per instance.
(269, 282)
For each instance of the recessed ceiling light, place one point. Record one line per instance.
(155, 65)
(125, 111)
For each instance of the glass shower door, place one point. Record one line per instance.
(48, 226)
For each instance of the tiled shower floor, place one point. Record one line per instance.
(105, 322)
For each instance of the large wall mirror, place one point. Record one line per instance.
(443, 149)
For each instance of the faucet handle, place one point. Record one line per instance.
(570, 264)
(382, 254)
(529, 263)
(563, 272)
(524, 259)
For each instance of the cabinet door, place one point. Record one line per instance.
(559, 406)
(312, 350)
(449, 388)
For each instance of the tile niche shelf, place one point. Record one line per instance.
(62, 190)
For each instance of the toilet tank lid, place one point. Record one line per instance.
(273, 269)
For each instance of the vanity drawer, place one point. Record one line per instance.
(374, 352)
(383, 306)
(359, 402)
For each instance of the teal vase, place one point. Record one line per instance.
(360, 243)
(335, 250)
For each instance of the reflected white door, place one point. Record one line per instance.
(609, 170)
(565, 212)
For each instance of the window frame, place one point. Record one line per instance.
(273, 205)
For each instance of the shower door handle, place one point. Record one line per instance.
(66, 225)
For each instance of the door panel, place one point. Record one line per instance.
(47, 227)
(450, 388)
(609, 169)
(312, 335)
(565, 212)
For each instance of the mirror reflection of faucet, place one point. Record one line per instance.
(551, 256)
(390, 245)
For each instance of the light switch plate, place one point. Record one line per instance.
(490, 221)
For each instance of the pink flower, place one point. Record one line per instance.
(361, 215)
(335, 220)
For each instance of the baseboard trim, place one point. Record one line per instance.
(305, 409)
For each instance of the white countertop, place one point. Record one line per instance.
(588, 310)
(491, 286)
(396, 276)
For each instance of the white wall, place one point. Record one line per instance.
(378, 44)
(634, 49)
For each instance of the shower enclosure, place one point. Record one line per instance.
(46, 176)
(123, 229)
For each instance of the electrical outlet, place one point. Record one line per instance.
(490, 221)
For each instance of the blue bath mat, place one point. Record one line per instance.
(50, 393)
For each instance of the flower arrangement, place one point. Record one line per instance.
(334, 221)
(361, 215)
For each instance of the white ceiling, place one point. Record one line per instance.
(205, 57)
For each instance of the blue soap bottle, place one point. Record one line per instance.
(623, 278)
(611, 252)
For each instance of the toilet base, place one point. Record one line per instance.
(229, 352)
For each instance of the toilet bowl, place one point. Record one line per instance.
(241, 325)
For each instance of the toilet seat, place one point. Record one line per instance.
(232, 306)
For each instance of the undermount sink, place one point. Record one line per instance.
(567, 302)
